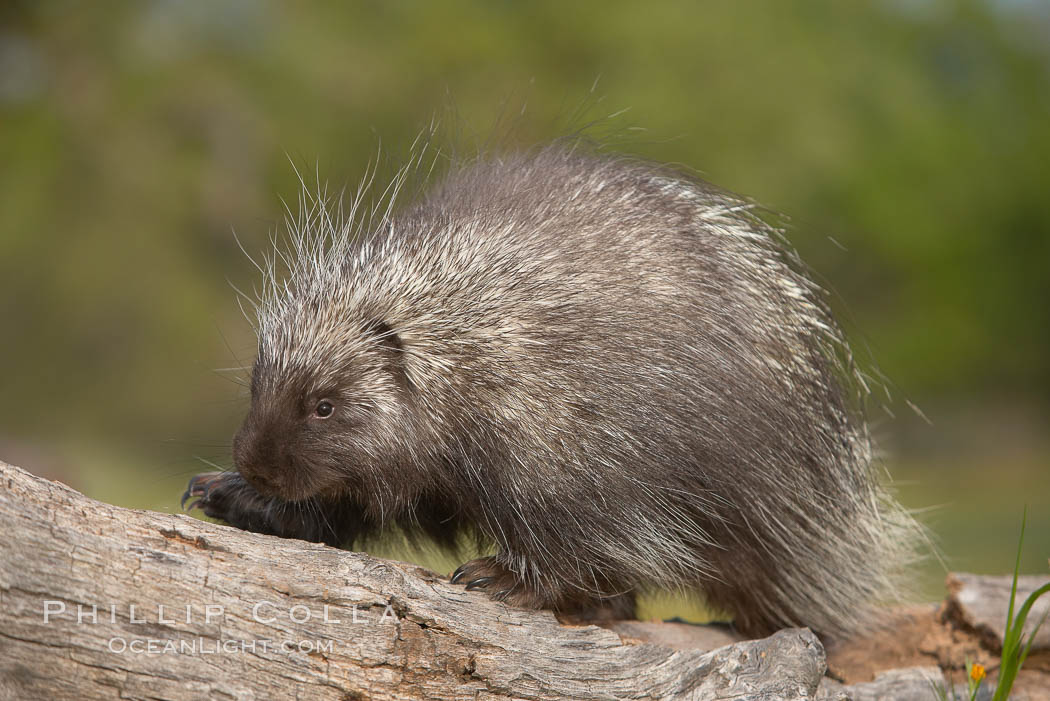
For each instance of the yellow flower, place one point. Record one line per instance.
(977, 672)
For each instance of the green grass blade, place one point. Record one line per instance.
(1029, 602)
(1015, 651)
(1017, 572)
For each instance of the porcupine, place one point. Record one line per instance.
(616, 374)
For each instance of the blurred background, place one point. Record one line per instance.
(908, 141)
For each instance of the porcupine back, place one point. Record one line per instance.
(618, 375)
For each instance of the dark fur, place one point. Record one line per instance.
(610, 371)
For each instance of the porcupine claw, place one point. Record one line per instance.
(487, 575)
(198, 487)
(457, 575)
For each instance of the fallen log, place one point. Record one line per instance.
(101, 602)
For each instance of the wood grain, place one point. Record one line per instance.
(101, 602)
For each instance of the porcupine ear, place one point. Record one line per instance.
(389, 342)
(384, 334)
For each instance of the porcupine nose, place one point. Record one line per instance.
(256, 455)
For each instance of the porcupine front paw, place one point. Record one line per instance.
(226, 496)
(229, 497)
(490, 576)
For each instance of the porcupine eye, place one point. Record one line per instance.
(324, 409)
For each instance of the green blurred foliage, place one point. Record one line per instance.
(909, 142)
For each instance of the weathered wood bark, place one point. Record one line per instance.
(909, 684)
(100, 602)
(981, 602)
